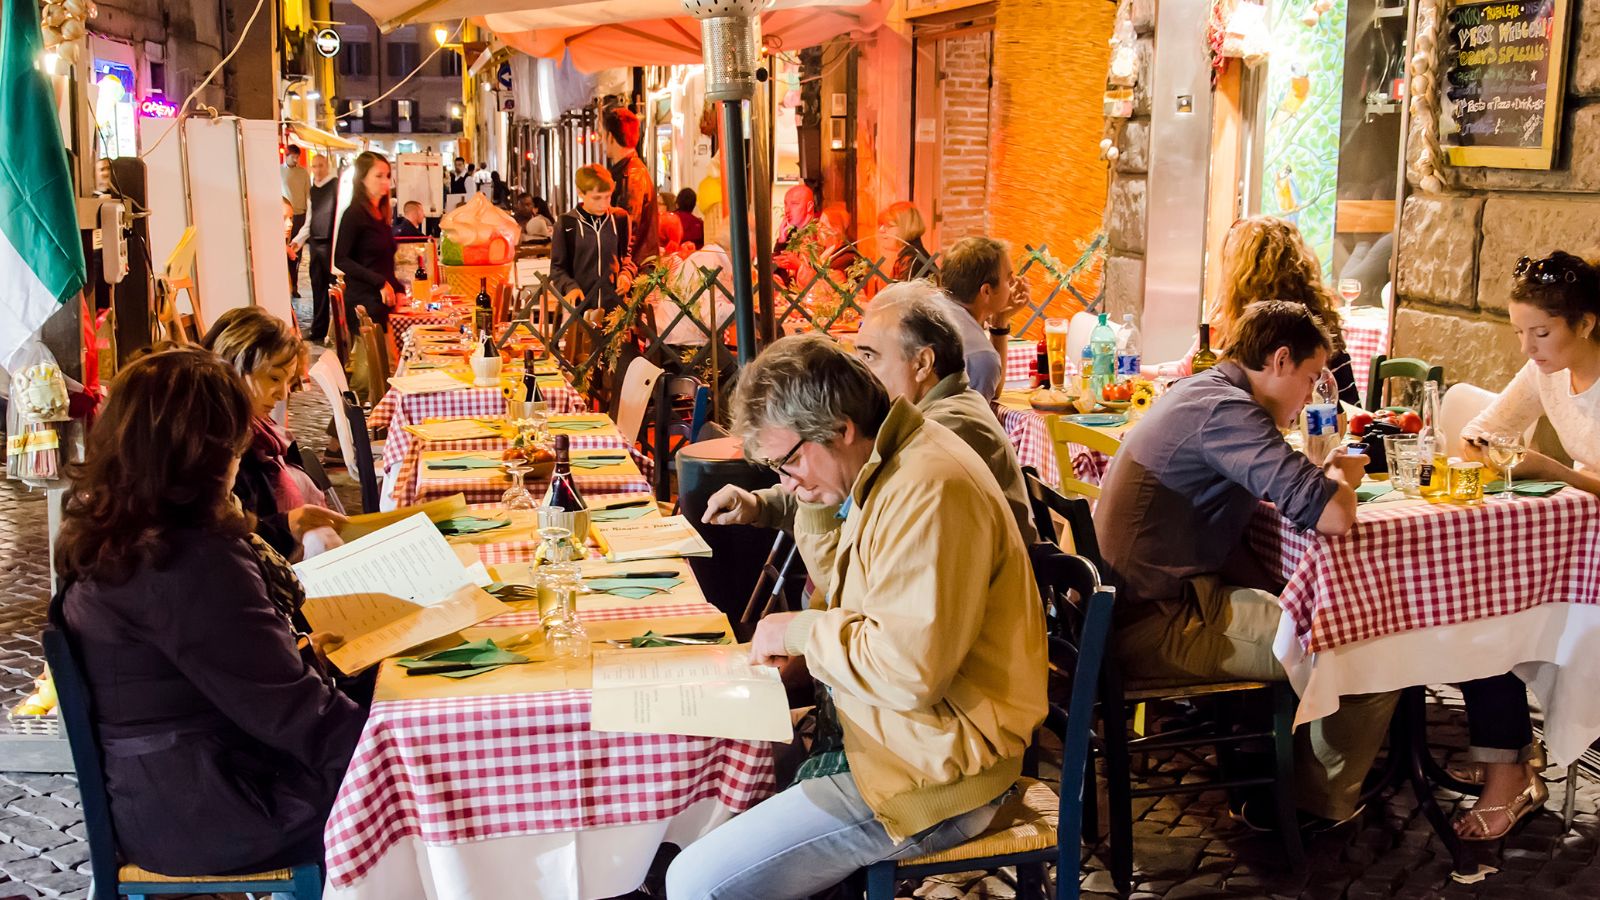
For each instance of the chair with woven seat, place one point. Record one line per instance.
(1063, 434)
(1038, 824)
(1121, 702)
(1384, 368)
(110, 880)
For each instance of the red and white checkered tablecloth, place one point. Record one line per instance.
(521, 617)
(478, 768)
(1411, 565)
(1031, 439)
(401, 321)
(1022, 363)
(1365, 336)
(409, 488)
(397, 410)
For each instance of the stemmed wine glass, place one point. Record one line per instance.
(1507, 452)
(1349, 290)
(517, 497)
(565, 633)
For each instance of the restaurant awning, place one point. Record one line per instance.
(316, 137)
(609, 33)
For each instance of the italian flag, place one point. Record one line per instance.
(41, 256)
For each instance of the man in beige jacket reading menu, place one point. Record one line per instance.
(929, 649)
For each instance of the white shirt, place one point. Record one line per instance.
(1531, 394)
(686, 279)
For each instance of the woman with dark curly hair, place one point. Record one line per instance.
(224, 742)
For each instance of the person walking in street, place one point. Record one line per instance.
(297, 190)
(316, 235)
(365, 248)
(633, 191)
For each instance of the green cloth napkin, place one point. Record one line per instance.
(1372, 491)
(632, 588)
(462, 661)
(1525, 488)
(577, 426)
(620, 515)
(651, 639)
(462, 463)
(597, 462)
(469, 525)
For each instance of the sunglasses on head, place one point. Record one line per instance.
(1546, 271)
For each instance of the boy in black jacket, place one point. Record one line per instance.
(589, 261)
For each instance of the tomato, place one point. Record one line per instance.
(1360, 422)
(1410, 422)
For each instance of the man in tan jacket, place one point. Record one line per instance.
(908, 342)
(930, 642)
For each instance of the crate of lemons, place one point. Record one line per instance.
(36, 714)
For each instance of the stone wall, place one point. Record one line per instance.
(1456, 249)
(1125, 209)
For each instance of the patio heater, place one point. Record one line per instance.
(730, 36)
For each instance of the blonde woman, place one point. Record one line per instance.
(901, 228)
(1265, 258)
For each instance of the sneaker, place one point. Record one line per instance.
(1262, 816)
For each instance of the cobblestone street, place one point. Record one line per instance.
(1186, 847)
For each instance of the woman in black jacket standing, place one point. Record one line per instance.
(364, 250)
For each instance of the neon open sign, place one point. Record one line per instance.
(153, 107)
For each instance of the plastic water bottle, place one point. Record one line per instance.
(1103, 350)
(1086, 367)
(1129, 344)
(1322, 420)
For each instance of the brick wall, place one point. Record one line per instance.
(1456, 249)
(964, 146)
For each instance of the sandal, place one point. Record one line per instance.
(1524, 804)
(1474, 773)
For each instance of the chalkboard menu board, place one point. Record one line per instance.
(1503, 69)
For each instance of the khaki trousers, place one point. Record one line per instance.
(1220, 633)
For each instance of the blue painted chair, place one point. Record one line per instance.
(1038, 825)
(674, 396)
(111, 880)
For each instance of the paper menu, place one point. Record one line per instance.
(658, 538)
(429, 382)
(357, 527)
(374, 590)
(708, 691)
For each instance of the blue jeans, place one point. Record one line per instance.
(802, 841)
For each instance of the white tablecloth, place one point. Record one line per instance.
(582, 865)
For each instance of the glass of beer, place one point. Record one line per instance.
(1055, 347)
(1466, 481)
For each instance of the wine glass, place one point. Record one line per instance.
(517, 496)
(1507, 452)
(1349, 290)
(565, 633)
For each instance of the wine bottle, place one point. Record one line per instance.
(1204, 358)
(530, 380)
(563, 493)
(483, 308)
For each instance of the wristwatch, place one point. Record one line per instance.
(1000, 332)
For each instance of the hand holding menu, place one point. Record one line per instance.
(397, 587)
(709, 691)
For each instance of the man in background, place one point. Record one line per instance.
(633, 192)
(297, 190)
(316, 235)
(409, 223)
(977, 275)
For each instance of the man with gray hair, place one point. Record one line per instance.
(928, 650)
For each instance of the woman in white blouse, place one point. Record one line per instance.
(1555, 310)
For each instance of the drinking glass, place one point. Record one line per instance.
(527, 420)
(1055, 348)
(1507, 452)
(1404, 452)
(517, 496)
(1349, 290)
(565, 633)
(1466, 481)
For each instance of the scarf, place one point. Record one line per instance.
(269, 444)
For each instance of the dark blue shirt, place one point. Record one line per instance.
(1182, 489)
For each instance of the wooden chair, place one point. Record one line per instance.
(1062, 433)
(1037, 825)
(365, 469)
(375, 346)
(338, 325)
(1384, 368)
(112, 880)
(682, 405)
(1122, 701)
